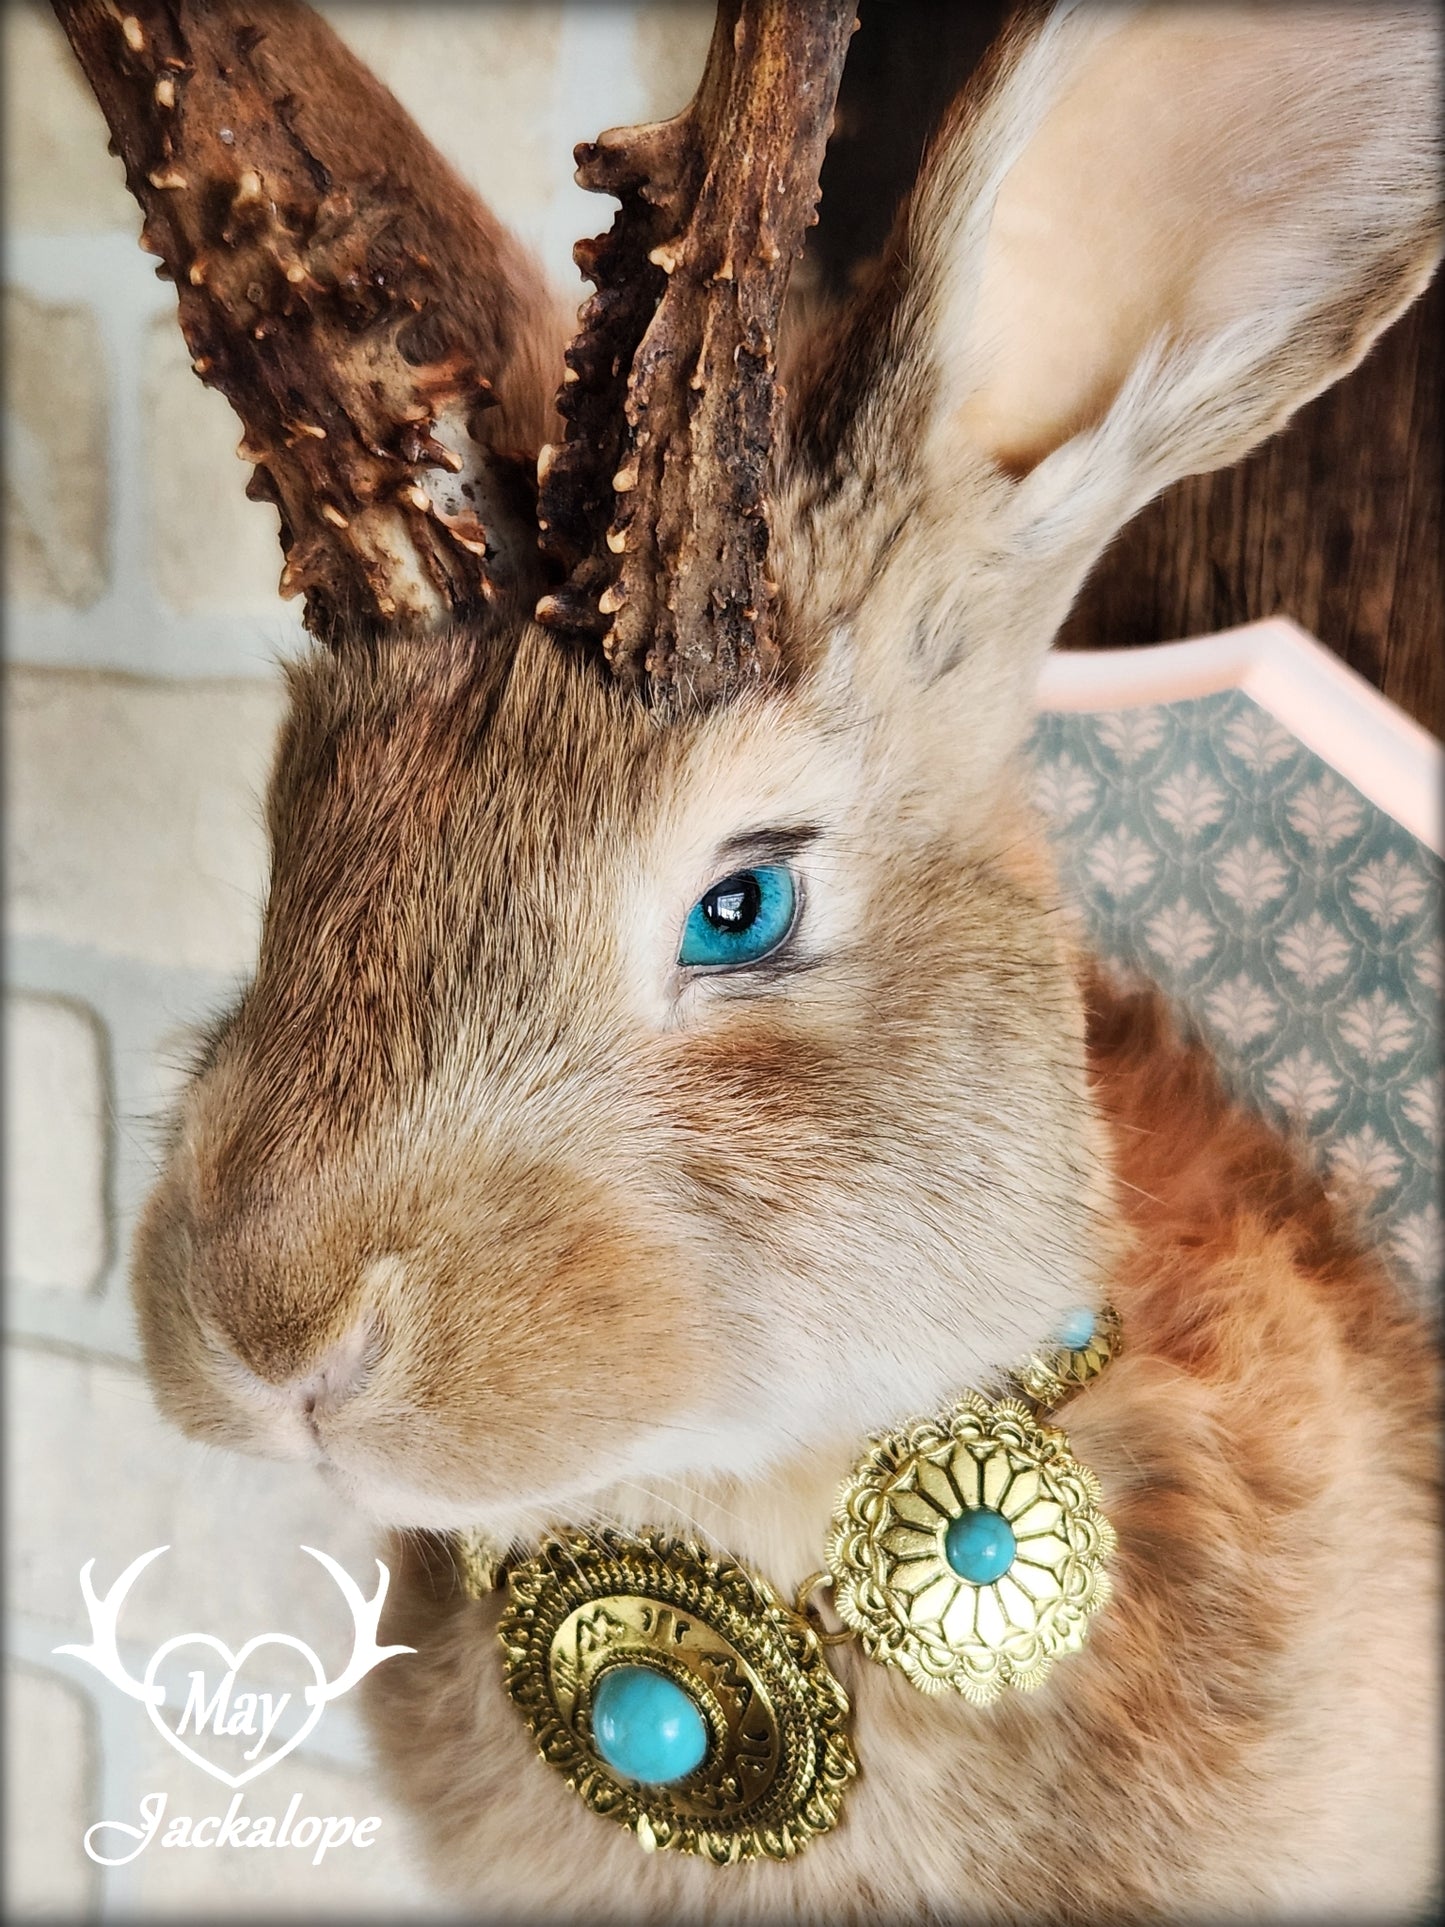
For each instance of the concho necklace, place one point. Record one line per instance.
(679, 1694)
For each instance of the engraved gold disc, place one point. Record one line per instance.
(778, 1758)
(969, 1550)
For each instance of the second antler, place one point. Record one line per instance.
(656, 501)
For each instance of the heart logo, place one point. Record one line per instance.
(232, 1663)
(228, 1721)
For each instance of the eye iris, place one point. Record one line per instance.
(741, 919)
(732, 906)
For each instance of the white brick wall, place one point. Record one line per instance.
(141, 705)
(51, 1779)
(55, 1157)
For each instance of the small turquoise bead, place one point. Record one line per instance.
(1077, 1329)
(980, 1545)
(646, 1727)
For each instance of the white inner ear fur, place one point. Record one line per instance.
(1197, 166)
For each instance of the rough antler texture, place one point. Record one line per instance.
(656, 503)
(344, 290)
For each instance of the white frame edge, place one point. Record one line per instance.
(1390, 759)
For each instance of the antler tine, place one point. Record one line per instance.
(103, 1653)
(366, 1616)
(343, 289)
(656, 501)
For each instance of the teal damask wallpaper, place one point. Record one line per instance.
(1295, 924)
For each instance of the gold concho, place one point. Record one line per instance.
(1052, 1375)
(894, 1583)
(779, 1758)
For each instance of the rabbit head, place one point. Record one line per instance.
(626, 1090)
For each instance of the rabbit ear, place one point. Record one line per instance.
(1143, 238)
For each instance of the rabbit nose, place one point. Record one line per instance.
(335, 1376)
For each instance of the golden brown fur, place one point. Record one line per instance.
(610, 1239)
(445, 1093)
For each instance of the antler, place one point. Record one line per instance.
(656, 500)
(102, 1652)
(366, 1613)
(344, 290)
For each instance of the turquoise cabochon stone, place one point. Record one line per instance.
(646, 1727)
(980, 1545)
(1076, 1329)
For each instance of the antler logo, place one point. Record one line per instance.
(213, 1704)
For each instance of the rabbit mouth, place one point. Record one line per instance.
(419, 1476)
(389, 1503)
(389, 1499)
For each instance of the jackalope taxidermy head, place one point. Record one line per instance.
(665, 1062)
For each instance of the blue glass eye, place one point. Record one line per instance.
(741, 918)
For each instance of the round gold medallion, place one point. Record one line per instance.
(969, 1551)
(647, 1652)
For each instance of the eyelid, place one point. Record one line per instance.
(751, 849)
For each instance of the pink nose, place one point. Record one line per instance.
(335, 1375)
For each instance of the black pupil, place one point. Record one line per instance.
(732, 906)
